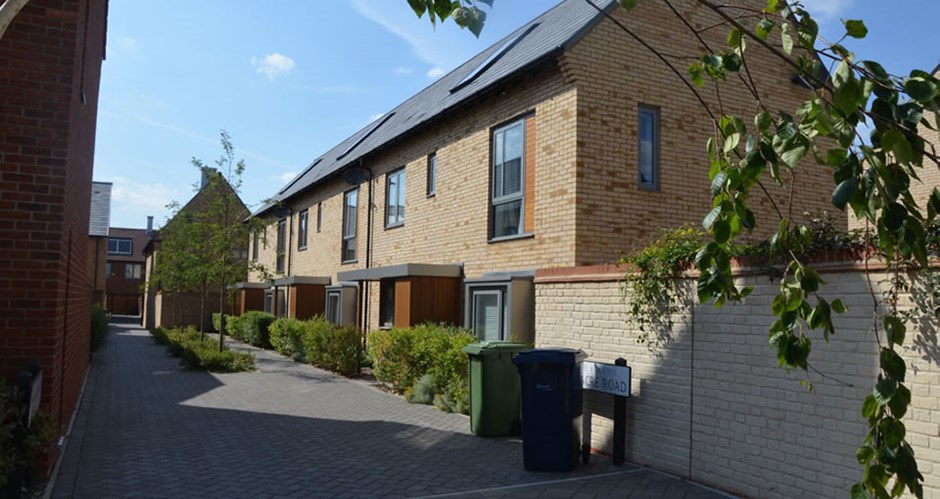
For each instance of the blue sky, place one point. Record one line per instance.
(289, 79)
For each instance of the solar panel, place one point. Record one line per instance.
(375, 125)
(489, 61)
(295, 179)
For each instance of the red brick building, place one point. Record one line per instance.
(50, 67)
(124, 270)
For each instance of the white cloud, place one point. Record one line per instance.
(401, 70)
(127, 42)
(436, 72)
(273, 65)
(141, 198)
(827, 9)
(284, 177)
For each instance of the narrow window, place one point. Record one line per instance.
(395, 198)
(302, 224)
(333, 308)
(319, 216)
(432, 174)
(387, 303)
(487, 314)
(255, 238)
(350, 225)
(281, 244)
(508, 195)
(648, 148)
(133, 271)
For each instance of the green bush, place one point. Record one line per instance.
(99, 325)
(159, 336)
(330, 347)
(402, 357)
(286, 335)
(197, 352)
(232, 325)
(217, 321)
(252, 328)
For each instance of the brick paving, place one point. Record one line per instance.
(146, 428)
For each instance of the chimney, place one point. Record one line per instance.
(205, 179)
(150, 225)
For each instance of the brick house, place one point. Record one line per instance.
(164, 309)
(50, 66)
(559, 146)
(98, 227)
(125, 270)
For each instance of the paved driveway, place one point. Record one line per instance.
(148, 429)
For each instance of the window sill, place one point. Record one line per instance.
(648, 188)
(389, 227)
(348, 262)
(302, 249)
(432, 195)
(527, 235)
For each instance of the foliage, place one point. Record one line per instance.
(42, 433)
(253, 328)
(653, 297)
(99, 325)
(465, 13)
(338, 349)
(422, 392)
(198, 352)
(287, 336)
(401, 357)
(9, 416)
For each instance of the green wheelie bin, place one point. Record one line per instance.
(494, 388)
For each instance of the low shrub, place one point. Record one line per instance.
(217, 321)
(330, 347)
(99, 326)
(159, 336)
(252, 328)
(286, 335)
(197, 352)
(403, 358)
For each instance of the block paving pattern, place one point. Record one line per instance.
(146, 428)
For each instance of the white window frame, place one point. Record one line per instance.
(498, 180)
(334, 314)
(129, 270)
(501, 301)
(350, 234)
(395, 214)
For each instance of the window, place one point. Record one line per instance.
(269, 302)
(133, 270)
(120, 246)
(508, 177)
(648, 148)
(350, 225)
(108, 270)
(319, 216)
(432, 174)
(395, 198)
(281, 244)
(333, 306)
(387, 303)
(254, 246)
(302, 224)
(487, 314)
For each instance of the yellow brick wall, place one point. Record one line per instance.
(614, 75)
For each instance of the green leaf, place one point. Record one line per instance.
(855, 28)
(763, 28)
(893, 432)
(719, 182)
(864, 455)
(838, 306)
(920, 89)
(900, 402)
(786, 39)
(843, 192)
(722, 231)
(734, 38)
(884, 390)
(795, 151)
(859, 491)
(418, 6)
(892, 364)
(711, 217)
(763, 121)
(628, 4)
(695, 73)
(869, 406)
(895, 329)
(894, 216)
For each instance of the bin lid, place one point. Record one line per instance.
(494, 347)
(550, 356)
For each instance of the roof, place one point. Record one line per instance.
(100, 218)
(531, 44)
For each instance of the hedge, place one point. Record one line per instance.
(286, 335)
(99, 325)
(402, 357)
(198, 352)
(251, 327)
(337, 349)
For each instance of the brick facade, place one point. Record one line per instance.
(125, 282)
(50, 61)
(710, 402)
(582, 201)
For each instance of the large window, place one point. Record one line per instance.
(319, 216)
(303, 223)
(281, 244)
(395, 198)
(350, 225)
(432, 174)
(487, 313)
(120, 246)
(508, 196)
(334, 306)
(648, 148)
(133, 270)
(387, 303)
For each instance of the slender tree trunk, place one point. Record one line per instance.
(202, 313)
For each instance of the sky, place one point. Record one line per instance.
(289, 79)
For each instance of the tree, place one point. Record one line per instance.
(465, 13)
(204, 245)
(871, 176)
